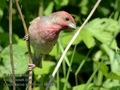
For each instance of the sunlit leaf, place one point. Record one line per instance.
(84, 6)
(111, 84)
(65, 37)
(114, 59)
(83, 87)
(47, 66)
(53, 87)
(103, 30)
(115, 64)
(87, 38)
(20, 60)
(1, 13)
(54, 51)
(60, 3)
(104, 69)
(49, 8)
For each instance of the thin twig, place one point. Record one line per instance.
(73, 39)
(10, 44)
(27, 43)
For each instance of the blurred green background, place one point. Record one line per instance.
(93, 61)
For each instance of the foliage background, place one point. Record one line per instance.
(93, 61)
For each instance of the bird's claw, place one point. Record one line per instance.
(31, 66)
(26, 37)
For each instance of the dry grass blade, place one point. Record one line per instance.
(73, 39)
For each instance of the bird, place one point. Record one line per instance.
(44, 32)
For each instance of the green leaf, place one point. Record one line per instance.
(110, 84)
(20, 61)
(47, 67)
(60, 3)
(84, 6)
(114, 59)
(104, 69)
(1, 30)
(1, 13)
(36, 88)
(97, 55)
(65, 37)
(4, 39)
(115, 64)
(105, 11)
(54, 51)
(112, 75)
(64, 2)
(102, 30)
(49, 8)
(53, 87)
(108, 74)
(84, 87)
(87, 38)
(78, 57)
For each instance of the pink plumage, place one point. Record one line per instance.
(44, 31)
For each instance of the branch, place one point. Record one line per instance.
(10, 44)
(27, 43)
(73, 39)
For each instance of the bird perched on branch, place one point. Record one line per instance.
(44, 31)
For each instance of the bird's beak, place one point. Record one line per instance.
(72, 25)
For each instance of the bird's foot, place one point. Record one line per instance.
(31, 66)
(26, 37)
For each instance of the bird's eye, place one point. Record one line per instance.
(66, 19)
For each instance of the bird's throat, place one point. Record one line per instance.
(52, 32)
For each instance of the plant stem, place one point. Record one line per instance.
(69, 69)
(62, 50)
(10, 44)
(27, 43)
(58, 80)
(92, 76)
(81, 65)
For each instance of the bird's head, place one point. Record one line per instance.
(63, 19)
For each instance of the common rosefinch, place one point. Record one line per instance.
(44, 31)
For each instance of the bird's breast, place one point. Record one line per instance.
(43, 46)
(49, 35)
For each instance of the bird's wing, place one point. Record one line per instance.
(35, 20)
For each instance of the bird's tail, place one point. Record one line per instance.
(37, 60)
